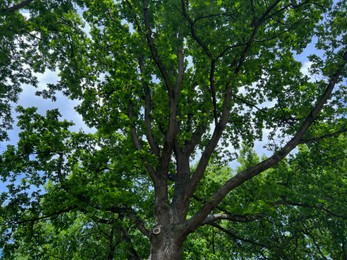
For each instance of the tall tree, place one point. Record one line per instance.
(167, 84)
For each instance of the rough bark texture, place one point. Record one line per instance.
(165, 244)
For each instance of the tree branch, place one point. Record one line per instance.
(54, 214)
(248, 103)
(180, 61)
(138, 146)
(129, 212)
(256, 25)
(206, 155)
(148, 108)
(152, 47)
(124, 236)
(232, 217)
(238, 237)
(306, 232)
(173, 99)
(138, 222)
(195, 140)
(213, 91)
(193, 31)
(16, 7)
(225, 114)
(322, 137)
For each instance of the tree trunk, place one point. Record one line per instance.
(166, 244)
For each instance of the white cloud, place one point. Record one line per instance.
(306, 67)
(65, 105)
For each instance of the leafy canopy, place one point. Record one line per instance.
(176, 90)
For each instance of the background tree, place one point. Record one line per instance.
(168, 84)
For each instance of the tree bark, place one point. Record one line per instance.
(166, 243)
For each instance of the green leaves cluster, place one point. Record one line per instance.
(33, 38)
(296, 209)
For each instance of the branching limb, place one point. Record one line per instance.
(309, 234)
(195, 140)
(125, 211)
(227, 101)
(147, 96)
(245, 175)
(227, 215)
(248, 103)
(206, 155)
(18, 6)
(173, 100)
(256, 26)
(193, 31)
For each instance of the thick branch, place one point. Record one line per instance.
(225, 114)
(195, 139)
(257, 25)
(17, 6)
(147, 96)
(245, 175)
(149, 134)
(206, 155)
(172, 92)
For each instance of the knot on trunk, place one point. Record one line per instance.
(156, 230)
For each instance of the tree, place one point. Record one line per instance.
(168, 84)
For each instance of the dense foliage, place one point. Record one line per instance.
(176, 91)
